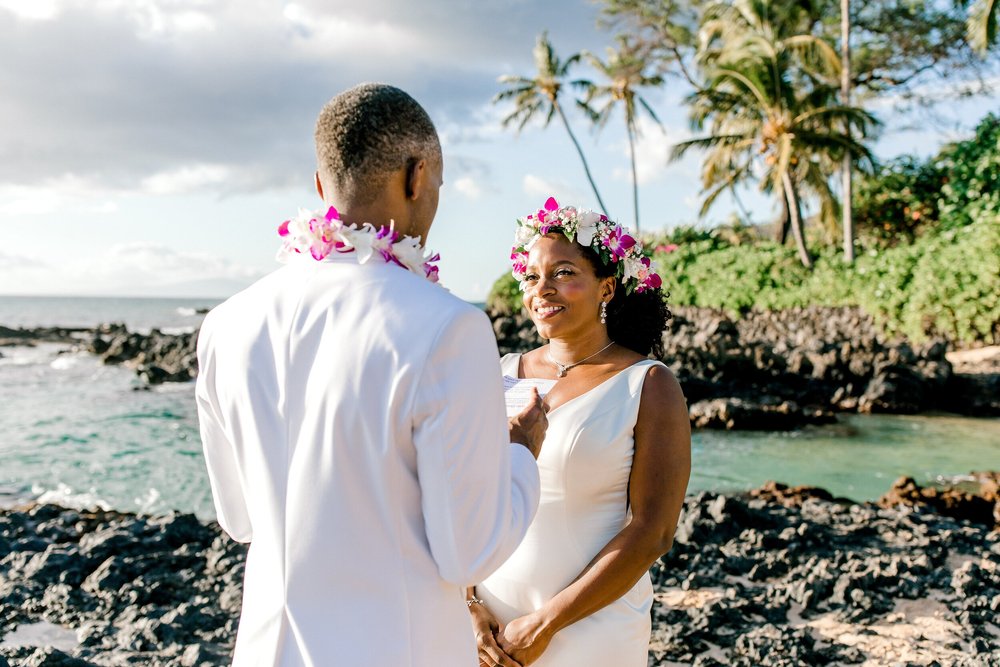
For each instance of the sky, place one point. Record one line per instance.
(152, 147)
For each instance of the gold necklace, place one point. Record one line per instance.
(562, 368)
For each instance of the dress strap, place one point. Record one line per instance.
(510, 363)
(637, 374)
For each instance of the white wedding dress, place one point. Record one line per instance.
(584, 467)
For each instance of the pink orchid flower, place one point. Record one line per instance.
(618, 243)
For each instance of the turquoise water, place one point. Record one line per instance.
(80, 433)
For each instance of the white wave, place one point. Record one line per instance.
(64, 495)
(42, 633)
(149, 500)
(187, 312)
(64, 362)
(29, 356)
(174, 387)
(177, 331)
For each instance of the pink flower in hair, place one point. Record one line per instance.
(618, 243)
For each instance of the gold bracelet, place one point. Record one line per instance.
(473, 601)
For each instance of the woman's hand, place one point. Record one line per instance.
(525, 638)
(485, 626)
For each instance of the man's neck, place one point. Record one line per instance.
(376, 215)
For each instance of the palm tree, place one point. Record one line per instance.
(982, 24)
(540, 96)
(770, 103)
(624, 73)
(845, 99)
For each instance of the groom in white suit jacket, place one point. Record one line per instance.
(354, 428)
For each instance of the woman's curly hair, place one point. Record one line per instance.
(635, 320)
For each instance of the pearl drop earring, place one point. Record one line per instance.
(604, 312)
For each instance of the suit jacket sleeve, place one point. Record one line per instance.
(479, 492)
(220, 453)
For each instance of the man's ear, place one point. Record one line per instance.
(319, 186)
(416, 172)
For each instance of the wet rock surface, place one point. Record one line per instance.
(793, 577)
(779, 370)
(779, 576)
(136, 590)
(156, 357)
(30, 337)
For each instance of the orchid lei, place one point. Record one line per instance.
(611, 241)
(320, 234)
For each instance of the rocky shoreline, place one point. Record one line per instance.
(778, 576)
(780, 370)
(772, 371)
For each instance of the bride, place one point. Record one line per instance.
(615, 461)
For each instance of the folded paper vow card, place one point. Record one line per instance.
(517, 392)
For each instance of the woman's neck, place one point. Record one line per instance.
(570, 349)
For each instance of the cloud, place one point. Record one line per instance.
(31, 10)
(536, 186)
(652, 154)
(468, 187)
(154, 264)
(66, 193)
(186, 179)
(126, 268)
(10, 262)
(128, 93)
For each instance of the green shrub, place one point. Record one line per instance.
(955, 290)
(892, 205)
(505, 295)
(971, 171)
(942, 284)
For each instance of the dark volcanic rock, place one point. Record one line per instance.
(767, 415)
(781, 576)
(28, 337)
(790, 496)
(156, 357)
(983, 508)
(812, 360)
(141, 591)
(790, 577)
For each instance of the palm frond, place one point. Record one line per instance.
(981, 25)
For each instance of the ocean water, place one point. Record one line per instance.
(139, 314)
(77, 432)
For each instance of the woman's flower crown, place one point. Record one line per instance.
(320, 234)
(611, 241)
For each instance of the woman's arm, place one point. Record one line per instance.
(661, 465)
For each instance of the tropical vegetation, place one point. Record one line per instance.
(780, 94)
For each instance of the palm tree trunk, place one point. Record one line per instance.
(795, 216)
(846, 206)
(590, 178)
(635, 176)
(781, 229)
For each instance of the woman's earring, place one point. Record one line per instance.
(604, 312)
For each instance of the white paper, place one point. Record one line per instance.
(517, 392)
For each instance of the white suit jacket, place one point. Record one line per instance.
(354, 429)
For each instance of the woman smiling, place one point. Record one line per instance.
(616, 458)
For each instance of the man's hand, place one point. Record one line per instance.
(528, 428)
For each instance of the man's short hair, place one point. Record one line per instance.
(365, 134)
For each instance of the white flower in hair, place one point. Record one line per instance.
(587, 229)
(523, 235)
